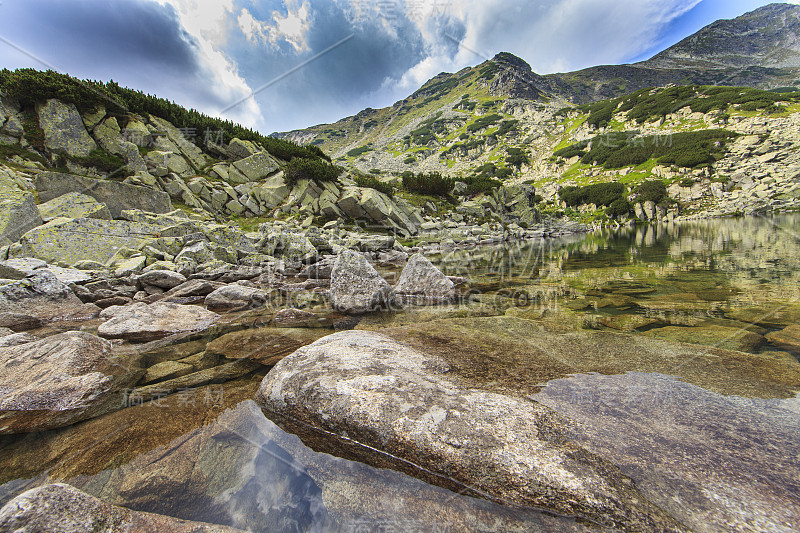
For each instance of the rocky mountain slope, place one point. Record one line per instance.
(500, 120)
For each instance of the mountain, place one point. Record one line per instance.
(758, 49)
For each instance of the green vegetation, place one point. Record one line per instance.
(10, 150)
(619, 207)
(355, 152)
(310, 169)
(600, 194)
(483, 122)
(30, 86)
(374, 183)
(620, 149)
(507, 126)
(101, 160)
(517, 157)
(409, 160)
(651, 190)
(427, 130)
(433, 183)
(650, 105)
(480, 184)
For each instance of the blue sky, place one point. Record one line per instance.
(316, 61)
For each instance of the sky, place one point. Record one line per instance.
(277, 65)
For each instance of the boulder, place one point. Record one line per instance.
(18, 212)
(356, 287)
(84, 239)
(60, 380)
(164, 279)
(20, 268)
(421, 282)
(369, 398)
(140, 322)
(235, 298)
(253, 168)
(711, 335)
(63, 129)
(73, 205)
(788, 338)
(42, 296)
(239, 149)
(271, 192)
(116, 196)
(266, 346)
(61, 507)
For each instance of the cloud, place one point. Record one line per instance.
(290, 28)
(209, 54)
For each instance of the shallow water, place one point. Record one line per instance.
(718, 453)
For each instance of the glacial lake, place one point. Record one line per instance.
(713, 441)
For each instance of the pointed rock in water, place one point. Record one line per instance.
(141, 322)
(421, 282)
(61, 507)
(60, 380)
(397, 410)
(356, 287)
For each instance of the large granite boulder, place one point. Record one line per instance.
(421, 282)
(253, 168)
(63, 129)
(73, 205)
(60, 380)
(61, 507)
(140, 322)
(356, 287)
(44, 298)
(84, 239)
(367, 397)
(116, 196)
(235, 297)
(18, 212)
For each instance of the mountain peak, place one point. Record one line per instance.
(768, 37)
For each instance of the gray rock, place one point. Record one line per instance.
(366, 397)
(235, 297)
(73, 205)
(164, 279)
(356, 287)
(239, 149)
(421, 282)
(84, 239)
(43, 296)
(16, 339)
(140, 322)
(253, 168)
(116, 196)
(61, 507)
(20, 268)
(60, 380)
(18, 213)
(63, 129)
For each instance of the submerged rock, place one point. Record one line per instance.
(140, 322)
(60, 380)
(61, 507)
(367, 397)
(421, 282)
(788, 338)
(356, 287)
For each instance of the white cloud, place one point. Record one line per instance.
(206, 22)
(291, 28)
(552, 35)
